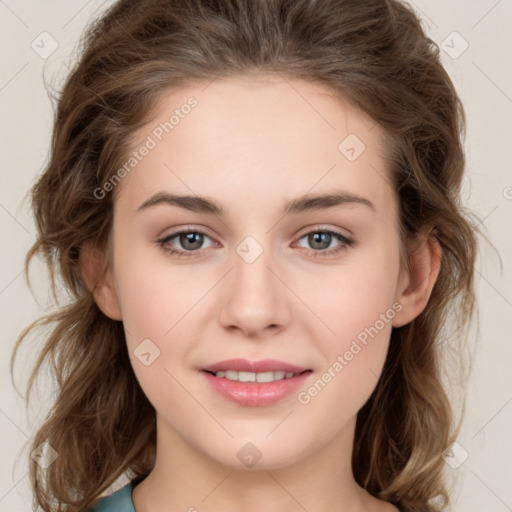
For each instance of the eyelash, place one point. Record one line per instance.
(345, 243)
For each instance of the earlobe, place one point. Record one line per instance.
(98, 278)
(415, 290)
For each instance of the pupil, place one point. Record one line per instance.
(318, 238)
(189, 238)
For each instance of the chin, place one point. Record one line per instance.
(257, 455)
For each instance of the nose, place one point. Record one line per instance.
(255, 298)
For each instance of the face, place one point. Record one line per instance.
(269, 274)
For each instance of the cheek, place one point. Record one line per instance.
(162, 317)
(356, 305)
(157, 297)
(352, 297)
(157, 308)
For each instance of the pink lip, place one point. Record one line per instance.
(243, 365)
(255, 394)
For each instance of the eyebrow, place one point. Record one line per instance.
(305, 203)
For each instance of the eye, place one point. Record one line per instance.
(191, 240)
(321, 239)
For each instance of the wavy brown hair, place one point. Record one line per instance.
(374, 53)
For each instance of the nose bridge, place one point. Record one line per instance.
(255, 298)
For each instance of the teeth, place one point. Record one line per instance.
(254, 377)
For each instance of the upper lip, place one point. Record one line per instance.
(243, 365)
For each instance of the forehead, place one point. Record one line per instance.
(262, 134)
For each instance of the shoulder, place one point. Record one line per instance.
(119, 501)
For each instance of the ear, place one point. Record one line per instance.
(416, 283)
(98, 276)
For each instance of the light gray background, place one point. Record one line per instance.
(483, 77)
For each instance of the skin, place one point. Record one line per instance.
(252, 145)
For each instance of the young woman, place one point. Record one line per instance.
(254, 205)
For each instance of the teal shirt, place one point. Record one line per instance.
(119, 501)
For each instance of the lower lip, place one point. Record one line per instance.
(256, 394)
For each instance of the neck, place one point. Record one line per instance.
(185, 478)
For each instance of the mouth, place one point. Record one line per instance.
(255, 384)
(262, 377)
(245, 366)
